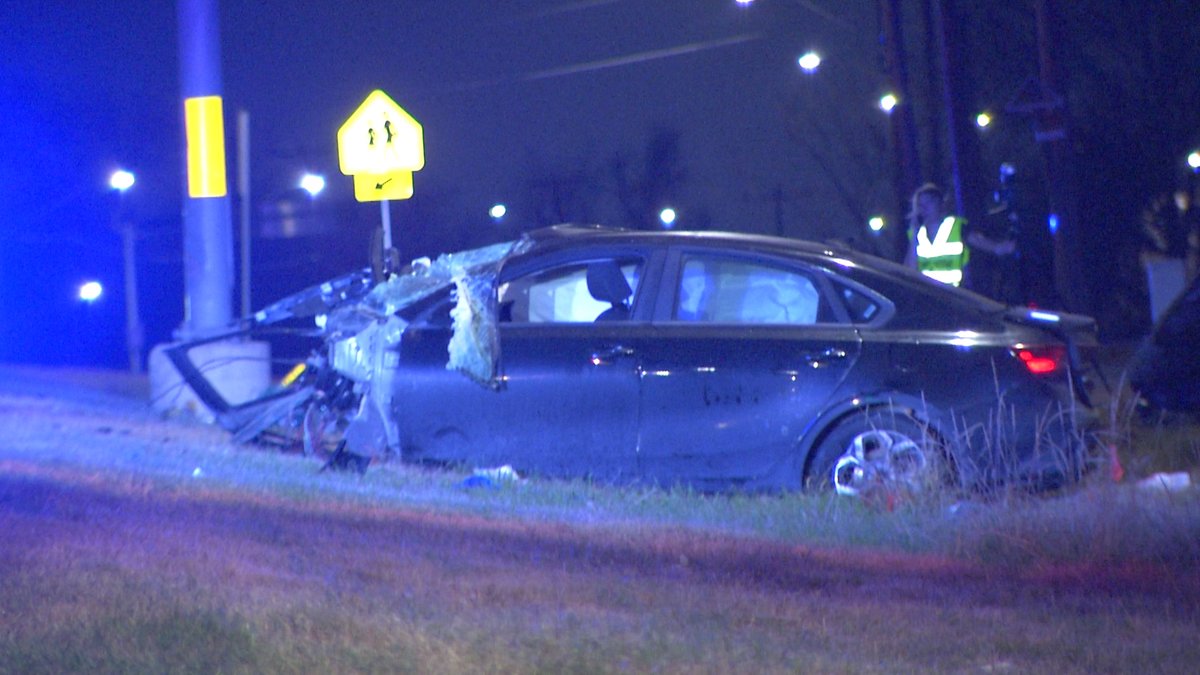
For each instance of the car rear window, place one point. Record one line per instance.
(861, 307)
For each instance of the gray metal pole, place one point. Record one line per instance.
(134, 335)
(207, 221)
(243, 141)
(385, 215)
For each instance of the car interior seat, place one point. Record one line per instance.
(607, 283)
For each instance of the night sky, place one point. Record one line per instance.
(513, 95)
(502, 89)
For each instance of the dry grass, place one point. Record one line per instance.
(130, 578)
(119, 557)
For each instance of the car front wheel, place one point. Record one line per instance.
(879, 455)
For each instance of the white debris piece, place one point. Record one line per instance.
(1166, 482)
(499, 474)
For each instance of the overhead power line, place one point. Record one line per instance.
(614, 62)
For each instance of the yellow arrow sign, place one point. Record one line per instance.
(370, 187)
(380, 138)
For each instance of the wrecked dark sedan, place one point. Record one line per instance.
(714, 360)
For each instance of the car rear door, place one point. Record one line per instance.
(747, 352)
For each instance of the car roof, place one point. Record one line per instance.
(571, 234)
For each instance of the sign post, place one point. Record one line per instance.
(381, 145)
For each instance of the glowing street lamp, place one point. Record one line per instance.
(809, 62)
(983, 120)
(888, 102)
(667, 217)
(497, 211)
(121, 180)
(1193, 160)
(90, 291)
(876, 224)
(312, 183)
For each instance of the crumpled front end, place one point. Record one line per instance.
(345, 386)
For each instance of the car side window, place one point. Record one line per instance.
(862, 308)
(718, 290)
(577, 292)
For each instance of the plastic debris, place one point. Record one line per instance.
(500, 474)
(490, 478)
(1166, 482)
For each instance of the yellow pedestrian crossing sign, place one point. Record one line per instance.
(381, 143)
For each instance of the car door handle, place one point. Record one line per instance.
(824, 357)
(604, 356)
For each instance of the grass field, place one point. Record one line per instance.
(134, 544)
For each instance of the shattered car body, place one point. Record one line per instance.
(357, 323)
(716, 360)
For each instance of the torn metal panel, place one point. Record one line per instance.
(425, 277)
(318, 299)
(474, 348)
(370, 356)
(475, 341)
(360, 356)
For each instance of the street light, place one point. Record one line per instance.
(312, 184)
(1193, 160)
(809, 62)
(876, 224)
(497, 211)
(888, 102)
(90, 291)
(667, 217)
(120, 181)
(983, 120)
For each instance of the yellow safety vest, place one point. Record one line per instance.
(944, 256)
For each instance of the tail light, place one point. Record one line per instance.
(1042, 360)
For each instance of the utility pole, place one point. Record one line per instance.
(239, 370)
(970, 191)
(207, 219)
(1051, 132)
(903, 130)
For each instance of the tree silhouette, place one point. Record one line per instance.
(642, 191)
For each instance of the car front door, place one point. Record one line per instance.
(567, 397)
(747, 353)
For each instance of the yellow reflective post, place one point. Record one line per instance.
(205, 146)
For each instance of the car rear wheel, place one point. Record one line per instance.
(881, 455)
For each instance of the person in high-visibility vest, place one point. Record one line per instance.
(935, 238)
